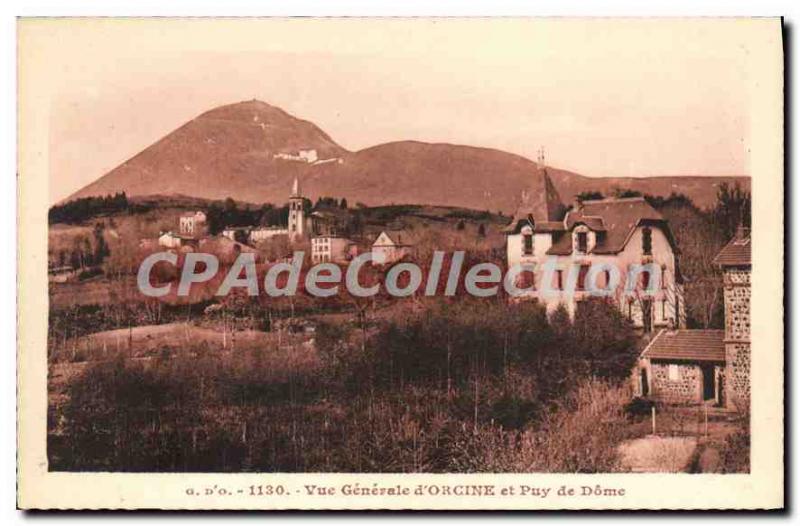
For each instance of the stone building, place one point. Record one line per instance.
(620, 245)
(706, 366)
(682, 367)
(734, 260)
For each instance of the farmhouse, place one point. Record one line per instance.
(191, 223)
(617, 235)
(391, 246)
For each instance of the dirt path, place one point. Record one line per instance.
(656, 454)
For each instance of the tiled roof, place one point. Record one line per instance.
(696, 345)
(737, 252)
(614, 220)
(595, 223)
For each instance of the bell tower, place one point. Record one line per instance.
(297, 219)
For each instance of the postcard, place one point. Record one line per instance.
(400, 263)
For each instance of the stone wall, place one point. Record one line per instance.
(737, 305)
(737, 336)
(688, 388)
(737, 375)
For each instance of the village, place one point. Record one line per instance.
(678, 379)
(677, 365)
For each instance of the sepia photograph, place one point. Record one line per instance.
(300, 249)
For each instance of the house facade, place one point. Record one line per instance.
(261, 234)
(391, 246)
(331, 248)
(620, 248)
(191, 223)
(683, 367)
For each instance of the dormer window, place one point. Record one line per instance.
(583, 242)
(647, 241)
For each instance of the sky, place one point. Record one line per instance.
(603, 98)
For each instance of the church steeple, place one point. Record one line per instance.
(297, 216)
(295, 188)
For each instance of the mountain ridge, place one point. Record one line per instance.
(251, 151)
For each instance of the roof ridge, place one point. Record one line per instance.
(614, 199)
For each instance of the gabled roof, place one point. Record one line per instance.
(737, 252)
(398, 237)
(615, 220)
(540, 204)
(696, 345)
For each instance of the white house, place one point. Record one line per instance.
(170, 240)
(190, 223)
(330, 248)
(391, 246)
(265, 233)
(614, 236)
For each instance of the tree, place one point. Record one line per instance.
(343, 203)
(589, 195)
(700, 239)
(621, 193)
(732, 209)
(100, 246)
(482, 230)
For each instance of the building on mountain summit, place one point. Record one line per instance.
(621, 248)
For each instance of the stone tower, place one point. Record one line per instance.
(734, 260)
(297, 216)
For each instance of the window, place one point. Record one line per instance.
(559, 279)
(526, 280)
(645, 280)
(664, 309)
(647, 241)
(663, 277)
(527, 246)
(584, 270)
(674, 372)
(630, 309)
(583, 242)
(606, 279)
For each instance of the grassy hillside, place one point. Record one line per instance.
(231, 151)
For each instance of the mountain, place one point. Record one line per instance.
(250, 151)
